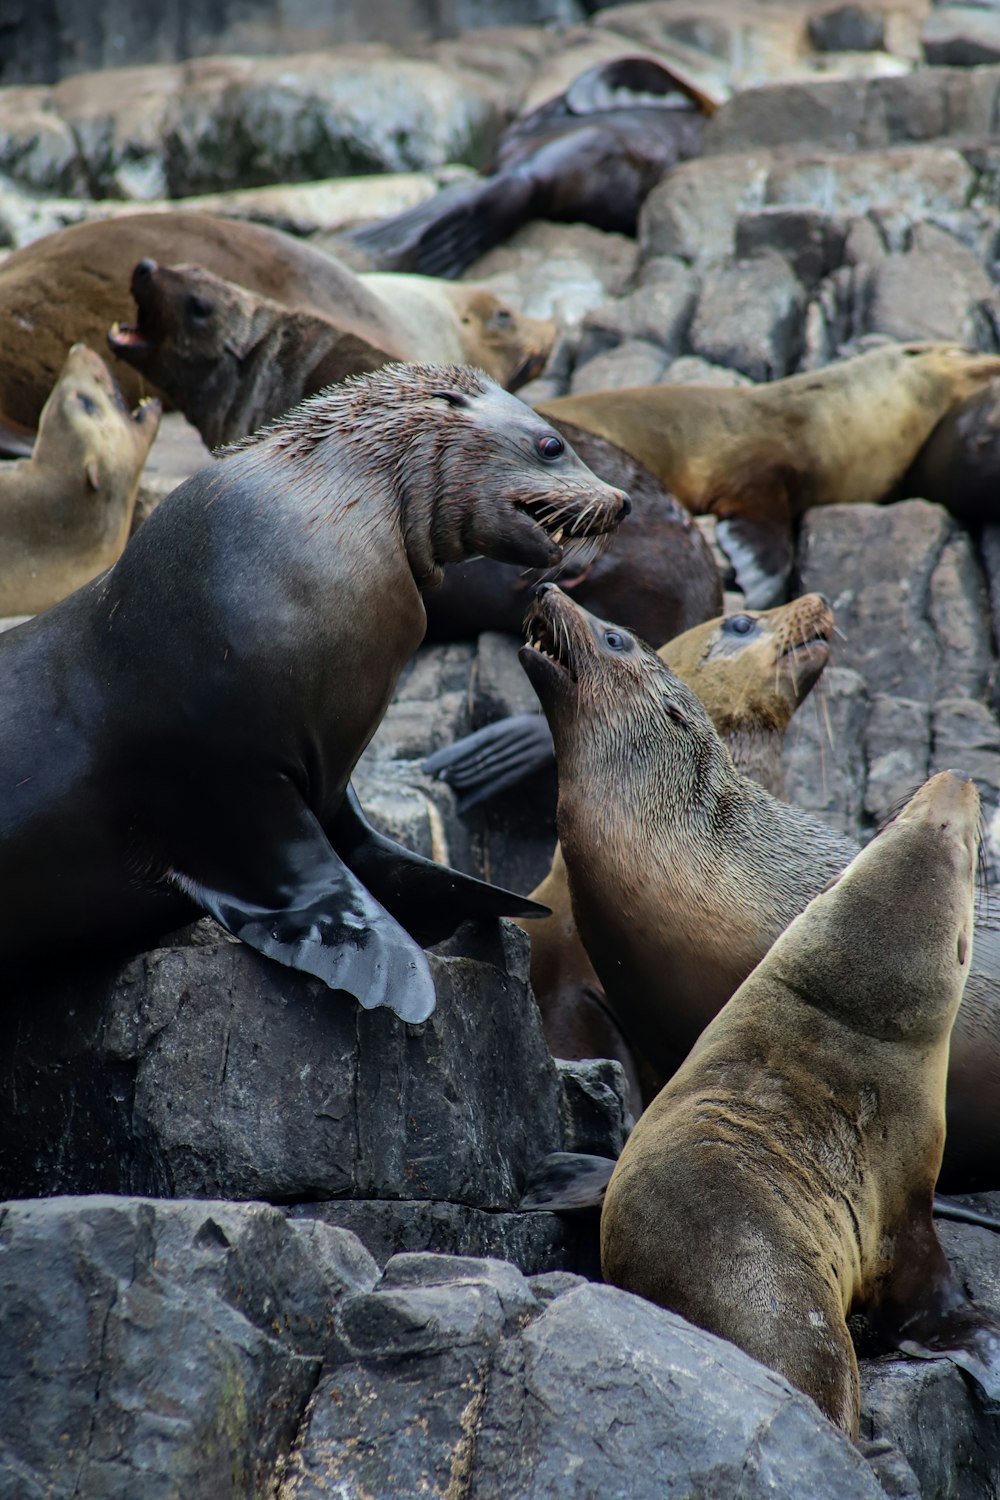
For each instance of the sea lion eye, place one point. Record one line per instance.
(90, 407)
(738, 624)
(198, 308)
(551, 447)
(616, 640)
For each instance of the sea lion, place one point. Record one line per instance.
(69, 287)
(683, 873)
(180, 733)
(657, 575)
(785, 1175)
(589, 156)
(227, 358)
(959, 465)
(66, 511)
(758, 456)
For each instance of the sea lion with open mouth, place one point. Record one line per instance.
(181, 732)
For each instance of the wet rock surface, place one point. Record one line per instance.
(396, 1325)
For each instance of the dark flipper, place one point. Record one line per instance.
(762, 554)
(567, 1180)
(443, 235)
(482, 764)
(428, 899)
(293, 898)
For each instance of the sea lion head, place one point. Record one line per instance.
(963, 371)
(474, 471)
(908, 898)
(187, 322)
(85, 426)
(756, 666)
(508, 345)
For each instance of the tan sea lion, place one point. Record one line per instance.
(227, 358)
(751, 672)
(66, 511)
(683, 873)
(758, 456)
(784, 1177)
(179, 735)
(70, 286)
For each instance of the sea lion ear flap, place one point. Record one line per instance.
(93, 472)
(453, 398)
(677, 713)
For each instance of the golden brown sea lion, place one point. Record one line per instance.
(751, 671)
(179, 734)
(66, 511)
(229, 359)
(785, 1175)
(683, 873)
(758, 456)
(70, 287)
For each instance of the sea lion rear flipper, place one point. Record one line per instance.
(444, 234)
(428, 899)
(299, 903)
(971, 1340)
(500, 755)
(566, 1180)
(761, 553)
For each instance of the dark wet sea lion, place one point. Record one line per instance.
(750, 672)
(784, 1176)
(591, 155)
(65, 512)
(227, 358)
(180, 733)
(657, 574)
(959, 465)
(70, 286)
(758, 456)
(683, 873)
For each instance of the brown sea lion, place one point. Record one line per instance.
(959, 465)
(758, 456)
(683, 873)
(179, 734)
(784, 1177)
(69, 287)
(227, 358)
(657, 574)
(751, 672)
(589, 156)
(66, 511)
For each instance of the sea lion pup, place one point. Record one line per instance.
(758, 456)
(683, 873)
(227, 358)
(785, 1175)
(959, 465)
(589, 156)
(657, 575)
(65, 512)
(70, 285)
(180, 733)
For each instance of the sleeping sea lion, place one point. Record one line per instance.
(227, 358)
(683, 873)
(784, 1176)
(180, 733)
(589, 156)
(69, 287)
(66, 511)
(758, 456)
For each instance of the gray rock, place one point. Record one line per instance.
(812, 242)
(470, 1381)
(940, 293)
(558, 271)
(595, 1106)
(691, 369)
(694, 212)
(635, 362)
(37, 148)
(847, 28)
(963, 36)
(905, 185)
(211, 1072)
(751, 315)
(158, 1349)
(898, 750)
(658, 313)
(534, 1242)
(824, 752)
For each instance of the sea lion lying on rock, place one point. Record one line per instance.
(784, 1177)
(180, 733)
(758, 456)
(959, 465)
(589, 156)
(683, 873)
(227, 358)
(69, 287)
(66, 511)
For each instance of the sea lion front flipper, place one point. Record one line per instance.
(295, 900)
(762, 554)
(428, 899)
(970, 1338)
(566, 1180)
(482, 764)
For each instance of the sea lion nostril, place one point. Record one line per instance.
(626, 506)
(543, 588)
(144, 270)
